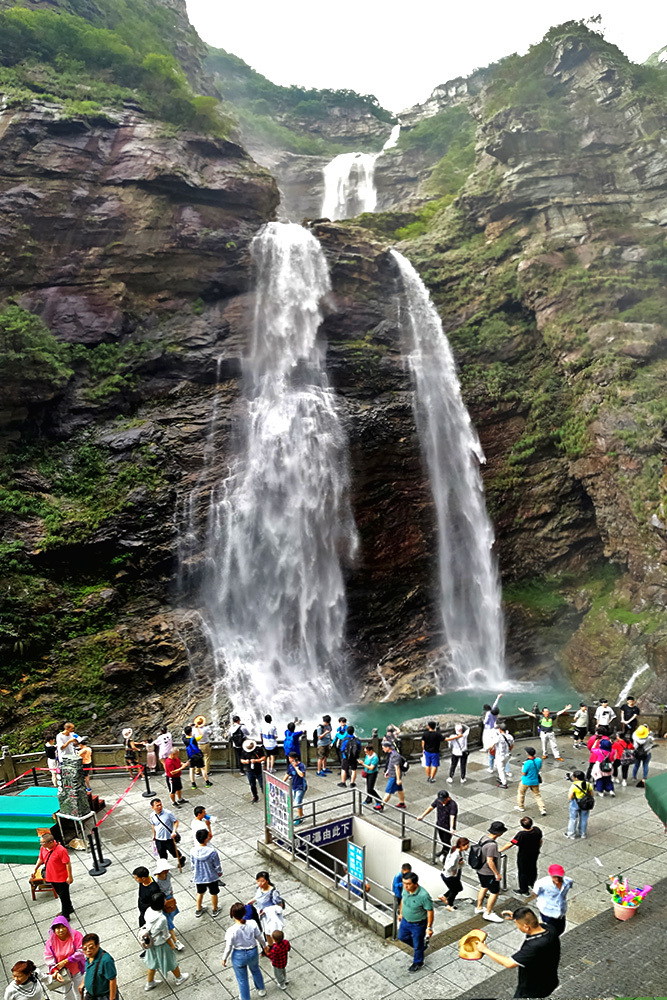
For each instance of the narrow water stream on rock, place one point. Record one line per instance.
(470, 592)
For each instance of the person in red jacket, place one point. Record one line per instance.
(622, 755)
(57, 870)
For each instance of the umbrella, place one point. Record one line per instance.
(656, 795)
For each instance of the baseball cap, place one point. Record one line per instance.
(556, 870)
(442, 795)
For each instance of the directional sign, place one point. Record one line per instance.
(355, 861)
(320, 836)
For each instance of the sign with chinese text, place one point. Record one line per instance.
(355, 861)
(278, 805)
(320, 836)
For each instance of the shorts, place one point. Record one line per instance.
(323, 752)
(349, 764)
(489, 882)
(298, 794)
(87, 768)
(270, 751)
(580, 732)
(174, 784)
(213, 887)
(431, 759)
(392, 786)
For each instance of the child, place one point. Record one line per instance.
(86, 755)
(580, 725)
(622, 753)
(52, 758)
(602, 769)
(278, 957)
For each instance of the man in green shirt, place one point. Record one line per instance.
(416, 915)
(100, 979)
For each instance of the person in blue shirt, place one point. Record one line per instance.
(297, 772)
(397, 884)
(291, 743)
(551, 895)
(530, 778)
(339, 735)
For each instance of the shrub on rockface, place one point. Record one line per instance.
(29, 352)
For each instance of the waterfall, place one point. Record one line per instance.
(349, 186)
(470, 595)
(627, 688)
(393, 137)
(280, 523)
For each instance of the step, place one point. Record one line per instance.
(19, 856)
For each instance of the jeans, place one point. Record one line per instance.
(281, 976)
(414, 934)
(644, 764)
(578, 820)
(242, 960)
(254, 776)
(462, 760)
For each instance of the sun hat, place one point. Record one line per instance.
(161, 866)
(641, 732)
(249, 745)
(557, 870)
(127, 733)
(200, 720)
(468, 944)
(497, 827)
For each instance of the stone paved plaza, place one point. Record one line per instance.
(332, 956)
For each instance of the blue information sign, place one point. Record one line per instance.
(355, 861)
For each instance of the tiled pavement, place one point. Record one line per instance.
(331, 955)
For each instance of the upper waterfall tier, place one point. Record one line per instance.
(349, 186)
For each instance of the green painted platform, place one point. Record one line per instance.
(20, 817)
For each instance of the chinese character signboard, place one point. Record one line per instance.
(278, 806)
(320, 836)
(355, 861)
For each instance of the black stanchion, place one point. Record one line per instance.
(105, 862)
(149, 793)
(34, 777)
(97, 869)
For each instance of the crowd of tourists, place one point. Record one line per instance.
(614, 740)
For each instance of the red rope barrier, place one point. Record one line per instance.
(119, 800)
(19, 776)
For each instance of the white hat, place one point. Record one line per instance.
(249, 745)
(161, 866)
(127, 733)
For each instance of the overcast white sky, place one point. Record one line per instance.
(401, 51)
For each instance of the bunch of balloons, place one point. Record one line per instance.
(623, 895)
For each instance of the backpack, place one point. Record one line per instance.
(628, 755)
(587, 800)
(640, 753)
(353, 749)
(405, 765)
(476, 857)
(315, 736)
(238, 737)
(605, 767)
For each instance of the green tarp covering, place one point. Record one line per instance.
(656, 795)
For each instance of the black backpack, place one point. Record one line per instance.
(587, 800)
(238, 738)
(640, 753)
(476, 857)
(352, 748)
(315, 736)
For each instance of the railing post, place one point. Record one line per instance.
(149, 793)
(434, 844)
(98, 868)
(394, 922)
(307, 854)
(402, 824)
(34, 776)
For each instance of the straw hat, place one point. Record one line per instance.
(641, 732)
(200, 720)
(468, 944)
(127, 733)
(249, 745)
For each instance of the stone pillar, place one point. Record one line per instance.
(72, 788)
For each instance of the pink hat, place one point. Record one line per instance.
(556, 870)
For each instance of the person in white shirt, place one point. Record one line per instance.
(200, 822)
(164, 743)
(65, 741)
(503, 744)
(604, 715)
(269, 737)
(459, 748)
(241, 942)
(580, 725)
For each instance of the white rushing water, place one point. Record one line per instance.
(629, 684)
(470, 594)
(349, 182)
(349, 186)
(280, 523)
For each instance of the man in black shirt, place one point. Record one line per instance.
(529, 842)
(431, 742)
(537, 959)
(629, 716)
(446, 818)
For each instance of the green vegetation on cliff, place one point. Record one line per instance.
(49, 55)
(28, 350)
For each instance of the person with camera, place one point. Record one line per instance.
(165, 831)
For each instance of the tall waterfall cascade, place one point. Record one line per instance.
(470, 593)
(280, 525)
(349, 182)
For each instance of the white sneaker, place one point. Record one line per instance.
(600, 795)
(183, 976)
(479, 909)
(450, 781)
(543, 812)
(519, 809)
(463, 781)
(491, 770)
(493, 917)
(150, 986)
(261, 993)
(179, 946)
